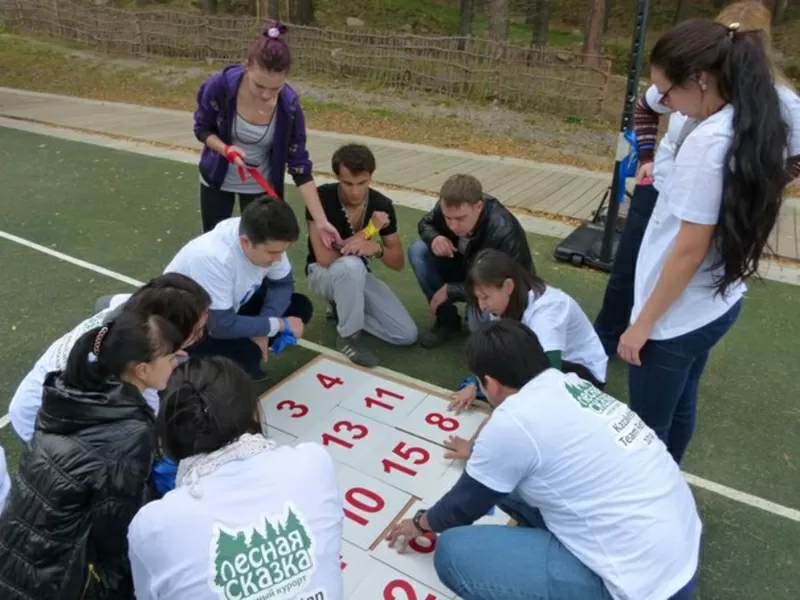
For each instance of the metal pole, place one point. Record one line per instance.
(631, 95)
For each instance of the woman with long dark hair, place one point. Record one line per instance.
(498, 287)
(253, 130)
(712, 219)
(655, 164)
(86, 473)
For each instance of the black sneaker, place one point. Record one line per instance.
(443, 330)
(353, 348)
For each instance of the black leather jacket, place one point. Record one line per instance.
(497, 228)
(63, 532)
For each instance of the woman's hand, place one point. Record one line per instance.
(644, 173)
(631, 343)
(235, 155)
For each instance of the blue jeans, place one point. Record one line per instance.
(526, 562)
(663, 391)
(244, 351)
(615, 314)
(432, 272)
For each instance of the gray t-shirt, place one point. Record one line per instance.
(256, 141)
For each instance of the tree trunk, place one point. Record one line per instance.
(594, 35)
(209, 6)
(274, 10)
(540, 22)
(498, 21)
(466, 14)
(779, 11)
(305, 12)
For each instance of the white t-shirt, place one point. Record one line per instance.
(665, 152)
(605, 484)
(217, 262)
(28, 398)
(692, 193)
(562, 326)
(198, 546)
(5, 480)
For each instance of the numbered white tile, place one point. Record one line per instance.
(295, 405)
(369, 506)
(407, 462)
(347, 436)
(355, 564)
(280, 437)
(431, 420)
(417, 560)
(445, 483)
(383, 400)
(387, 583)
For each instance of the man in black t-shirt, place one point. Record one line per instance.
(342, 275)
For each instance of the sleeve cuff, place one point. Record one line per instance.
(302, 179)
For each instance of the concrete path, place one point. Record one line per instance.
(538, 189)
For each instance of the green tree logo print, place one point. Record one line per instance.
(270, 560)
(588, 396)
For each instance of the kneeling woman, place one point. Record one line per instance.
(85, 475)
(499, 287)
(246, 517)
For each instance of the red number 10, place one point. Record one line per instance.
(376, 504)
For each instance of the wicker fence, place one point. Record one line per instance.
(520, 77)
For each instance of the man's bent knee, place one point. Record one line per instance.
(348, 267)
(418, 252)
(452, 547)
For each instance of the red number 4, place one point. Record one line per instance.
(328, 382)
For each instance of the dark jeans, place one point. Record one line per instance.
(216, 205)
(615, 314)
(582, 372)
(432, 272)
(245, 351)
(663, 391)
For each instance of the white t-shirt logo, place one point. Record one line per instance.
(588, 396)
(273, 559)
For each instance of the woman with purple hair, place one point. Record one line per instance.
(252, 127)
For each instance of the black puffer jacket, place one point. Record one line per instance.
(63, 532)
(497, 229)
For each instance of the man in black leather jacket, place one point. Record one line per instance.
(463, 222)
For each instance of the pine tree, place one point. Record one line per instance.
(226, 551)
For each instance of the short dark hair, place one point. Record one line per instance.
(357, 158)
(209, 402)
(175, 297)
(107, 351)
(461, 189)
(507, 351)
(269, 220)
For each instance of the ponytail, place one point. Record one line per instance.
(108, 352)
(208, 403)
(755, 174)
(755, 168)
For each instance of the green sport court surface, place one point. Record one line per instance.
(129, 213)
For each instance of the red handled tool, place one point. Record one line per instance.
(232, 155)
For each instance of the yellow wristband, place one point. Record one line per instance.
(370, 231)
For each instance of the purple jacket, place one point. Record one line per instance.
(215, 113)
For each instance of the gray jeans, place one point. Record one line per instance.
(363, 302)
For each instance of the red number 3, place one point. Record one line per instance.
(293, 406)
(401, 585)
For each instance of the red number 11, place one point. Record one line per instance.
(380, 392)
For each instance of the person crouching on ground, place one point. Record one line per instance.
(244, 511)
(86, 474)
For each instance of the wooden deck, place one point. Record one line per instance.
(532, 187)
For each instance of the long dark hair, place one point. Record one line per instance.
(208, 403)
(493, 267)
(755, 166)
(107, 352)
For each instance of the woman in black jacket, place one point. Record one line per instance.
(63, 531)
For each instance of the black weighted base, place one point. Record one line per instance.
(583, 247)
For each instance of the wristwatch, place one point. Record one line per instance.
(416, 521)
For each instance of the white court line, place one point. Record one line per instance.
(711, 486)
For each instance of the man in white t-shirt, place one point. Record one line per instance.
(174, 297)
(604, 510)
(243, 266)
